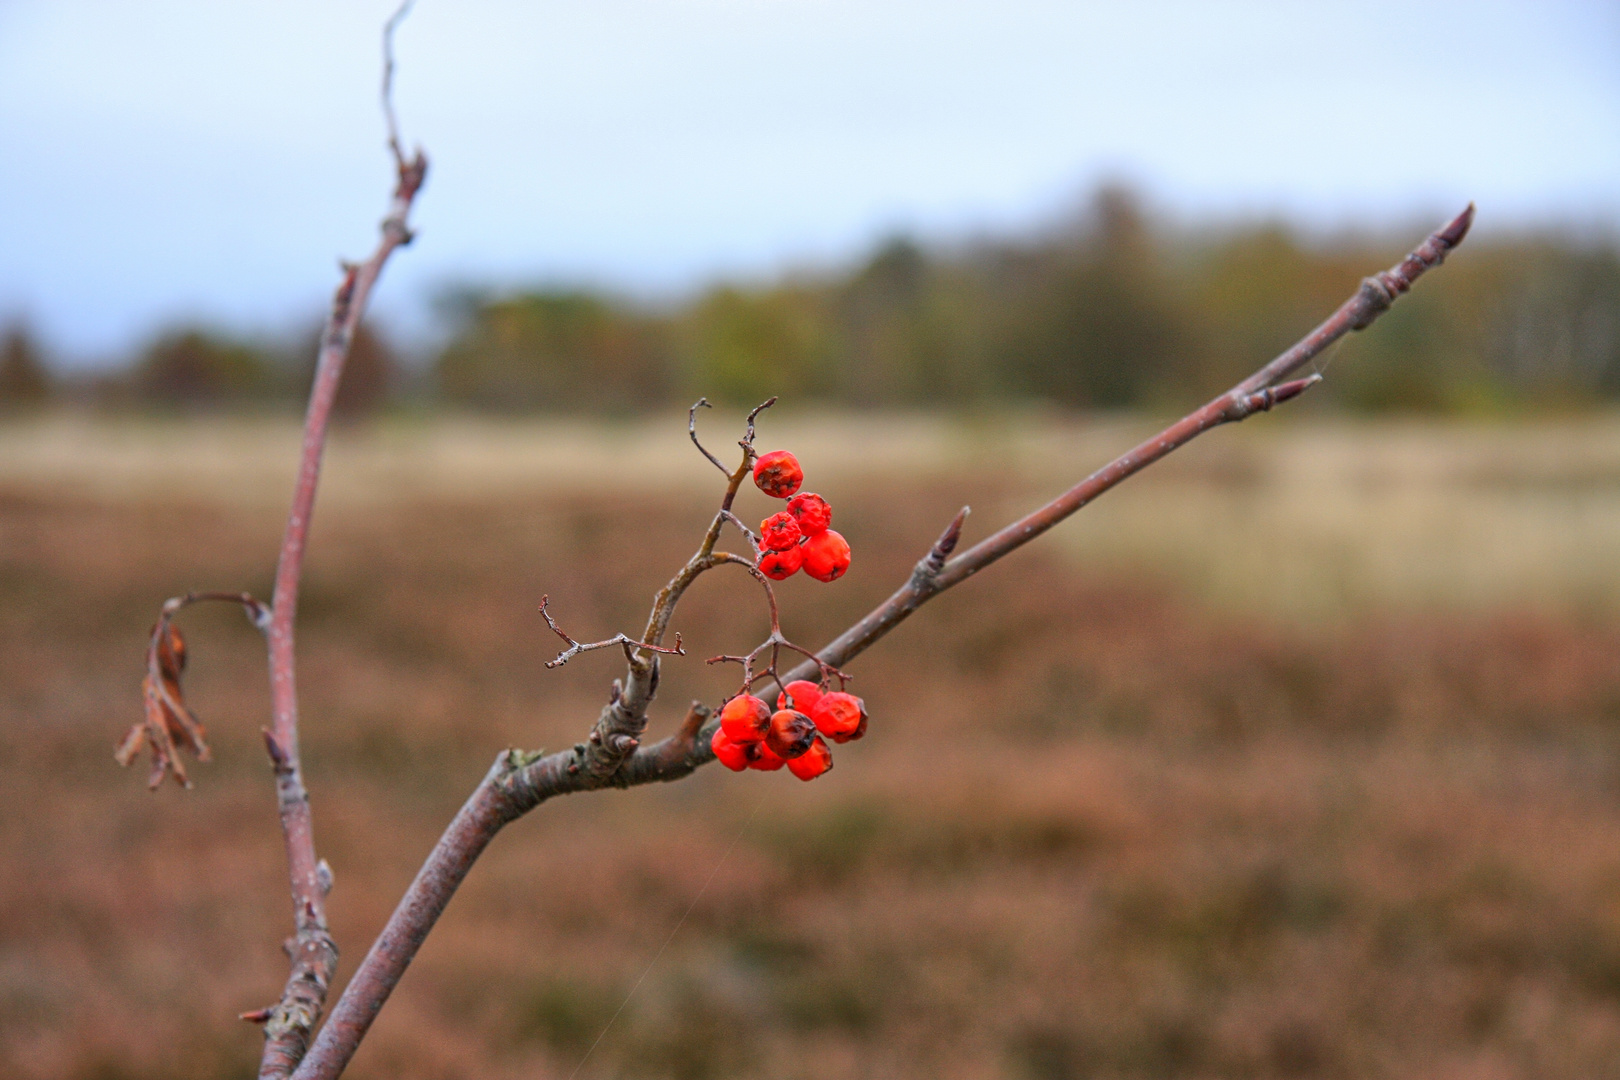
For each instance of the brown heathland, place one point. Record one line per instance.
(1100, 827)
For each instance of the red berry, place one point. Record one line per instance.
(777, 474)
(733, 756)
(860, 729)
(813, 762)
(805, 694)
(791, 733)
(778, 565)
(766, 760)
(838, 714)
(779, 532)
(811, 511)
(826, 556)
(744, 718)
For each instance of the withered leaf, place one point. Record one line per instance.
(166, 721)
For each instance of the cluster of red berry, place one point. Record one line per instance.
(798, 536)
(751, 736)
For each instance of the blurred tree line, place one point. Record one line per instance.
(1107, 310)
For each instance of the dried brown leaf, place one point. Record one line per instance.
(166, 721)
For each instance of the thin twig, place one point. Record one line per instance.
(576, 647)
(389, 27)
(753, 540)
(691, 428)
(1371, 300)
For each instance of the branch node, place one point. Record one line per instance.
(696, 717)
(928, 568)
(1264, 400)
(278, 756)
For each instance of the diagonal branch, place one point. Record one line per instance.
(518, 781)
(312, 950)
(1257, 393)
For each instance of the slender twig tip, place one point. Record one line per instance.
(1289, 390)
(1452, 234)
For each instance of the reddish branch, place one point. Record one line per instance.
(313, 955)
(613, 755)
(1258, 393)
(312, 951)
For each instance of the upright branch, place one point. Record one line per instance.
(168, 723)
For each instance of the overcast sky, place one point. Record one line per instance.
(191, 158)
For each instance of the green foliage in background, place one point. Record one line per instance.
(1108, 309)
(559, 351)
(23, 382)
(195, 367)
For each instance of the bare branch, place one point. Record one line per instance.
(519, 782)
(1254, 394)
(575, 647)
(728, 559)
(312, 951)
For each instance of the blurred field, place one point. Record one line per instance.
(1299, 756)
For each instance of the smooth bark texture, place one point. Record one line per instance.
(313, 953)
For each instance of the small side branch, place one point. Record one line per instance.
(753, 540)
(389, 117)
(629, 643)
(929, 566)
(747, 441)
(691, 429)
(775, 643)
(1247, 405)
